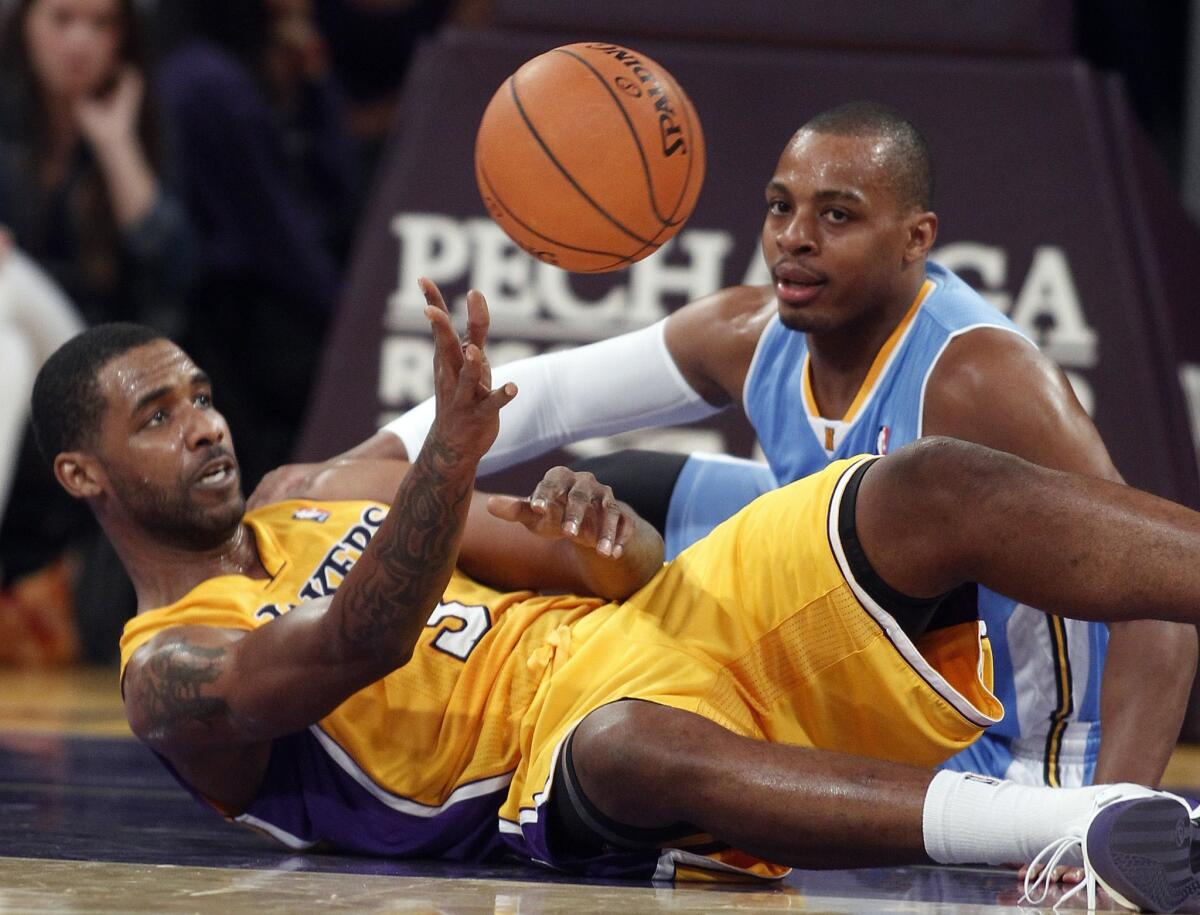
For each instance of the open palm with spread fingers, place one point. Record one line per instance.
(468, 410)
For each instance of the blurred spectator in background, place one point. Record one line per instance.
(80, 162)
(36, 609)
(370, 45)
(270, 175)
(82, 194)
(35, 320)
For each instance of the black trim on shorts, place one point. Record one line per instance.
(643, 479)
(916, 615)
(577, 828)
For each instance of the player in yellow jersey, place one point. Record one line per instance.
(773, 697)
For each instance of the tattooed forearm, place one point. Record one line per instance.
(386, 599)
(170, 688)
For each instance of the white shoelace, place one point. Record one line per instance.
(1054, 853)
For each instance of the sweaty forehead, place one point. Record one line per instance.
(825, 161)
(128, 377)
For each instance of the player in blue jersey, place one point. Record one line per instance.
(861, 345)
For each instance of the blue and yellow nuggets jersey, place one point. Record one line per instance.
(1047, 669)
(760, 627)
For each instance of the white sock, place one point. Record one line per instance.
(973, 819)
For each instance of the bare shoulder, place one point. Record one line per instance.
(994, 387)
(712, 339)
(984, 358)
(175, 701)
(171, 684)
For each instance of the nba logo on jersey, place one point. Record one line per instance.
(881, 443)
(310, 514)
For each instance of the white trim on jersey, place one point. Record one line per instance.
(888, 623)
(774, 319)
(395, 801)
(530, 815)
(938, 357)
(282, 836)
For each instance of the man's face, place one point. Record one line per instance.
(835, 235)
(166, 452)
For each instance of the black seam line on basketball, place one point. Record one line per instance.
(524, 225)
(687, 177)
(651, 246)
(637, 141)
(512, 88)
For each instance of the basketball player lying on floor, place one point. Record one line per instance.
(861, 344)
(775, 697)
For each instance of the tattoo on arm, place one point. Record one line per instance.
(171, 687)
(410, 560)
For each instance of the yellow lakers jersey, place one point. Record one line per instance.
(420, 759)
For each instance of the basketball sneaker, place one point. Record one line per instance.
(1140, 846)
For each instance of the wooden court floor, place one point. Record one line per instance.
(90, 822)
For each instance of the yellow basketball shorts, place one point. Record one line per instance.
(762, 628)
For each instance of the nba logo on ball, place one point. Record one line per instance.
(590, 157)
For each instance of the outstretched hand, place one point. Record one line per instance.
(572, 506)
(468, 410)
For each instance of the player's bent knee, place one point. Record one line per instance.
(937, 476)
(626, 765)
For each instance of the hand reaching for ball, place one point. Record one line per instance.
(468, 410)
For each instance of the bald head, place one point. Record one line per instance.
(906, 154)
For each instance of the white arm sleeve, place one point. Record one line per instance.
(616, 385)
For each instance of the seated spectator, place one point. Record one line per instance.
(80, 185)
(370, 45)
(270, 174)
(82, 194)
(35, 320)
(37, 623)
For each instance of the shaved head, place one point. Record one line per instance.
(907, 154)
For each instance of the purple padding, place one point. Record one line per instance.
(532, 844)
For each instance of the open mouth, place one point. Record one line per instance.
(796, 290)
(217, 473)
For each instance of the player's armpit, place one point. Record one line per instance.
(712, 340)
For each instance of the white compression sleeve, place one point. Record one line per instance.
(616, 385)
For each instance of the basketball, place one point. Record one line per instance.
(590, 157)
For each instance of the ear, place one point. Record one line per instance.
(79, 474)
(922, 232)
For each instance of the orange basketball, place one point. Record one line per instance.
(590, 156)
